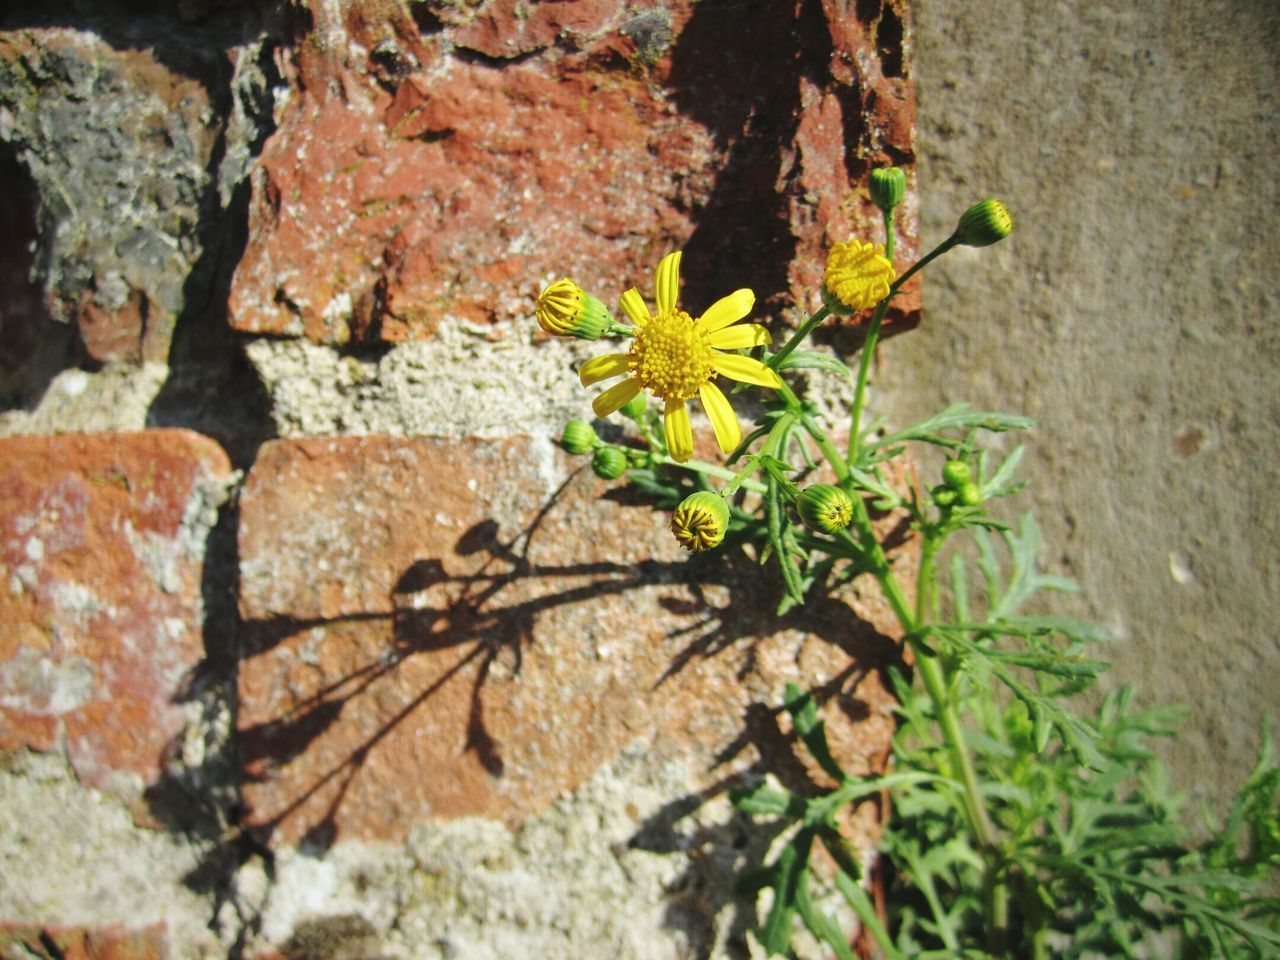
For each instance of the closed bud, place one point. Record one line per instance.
(579, 438)
(824, 508)
(955, 474)
(609, 463)
(700, 522)
(970, 495)
(983, 224)
(566, 310)
(944, 496)
(888, 185)
(634, 408)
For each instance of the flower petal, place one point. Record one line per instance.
(633, 306)
(745, 369)
(666, 282)
(726, 310)
(739, 336)
(679, 433)
(723, 419)
(616, 397)
(602, 368)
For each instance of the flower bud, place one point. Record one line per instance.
(609, 463)
(579, 438)
(824, 508)
(970, 495)
(983, 224)
(700, 522)
(634, 408)
(955, 474)
(888, 185)
(944, 496)
(566, 310)
(857, 277)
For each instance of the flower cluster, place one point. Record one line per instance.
(677, 358)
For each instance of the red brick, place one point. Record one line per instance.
(101, 552)
(579, 138)
(33, 942)
(432, 630)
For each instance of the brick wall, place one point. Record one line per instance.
(312, 642)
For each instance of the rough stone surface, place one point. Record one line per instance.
(116, 146)
(632, 865)
(117, 398)
(102, 542)
(27, 942)
(447, 165)
(1133, 313)
(442, 629)
(77, 867)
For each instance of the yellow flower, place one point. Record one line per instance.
(675, 358)
(857, 276)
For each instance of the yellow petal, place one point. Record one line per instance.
(739, 336)
(616, 397)
(726, 310)
(723, 419)
(745, 369)
(633, 306)
(679, 433)
(666, 282)
(602, 368)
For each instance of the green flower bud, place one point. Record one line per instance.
(700, 522)
(944, 497)
(634, 408)
(609, 463)
(824, 508)
(984, 224)
(955, 474)
(579, 438)
(566, 310)
(970, 495)
(888, 185)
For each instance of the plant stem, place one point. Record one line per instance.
(864, 367)
(798, 337)
(711, 470)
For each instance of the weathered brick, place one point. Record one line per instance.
(483, 149)
(19, 941)
(101, 553)
(437, 628)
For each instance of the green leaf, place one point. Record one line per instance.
(956, 417)
(819, 924)
(812, 730)
(792, 862)
(1077, 735)
(1002, 484)
(812, 360)
(763, 800)
(1056, 663)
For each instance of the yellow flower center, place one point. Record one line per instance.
(670, 358)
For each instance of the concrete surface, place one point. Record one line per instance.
(1133, 312)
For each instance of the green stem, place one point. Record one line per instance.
(712, 470)
(864, 368)
(797, 338)
(888, 234)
